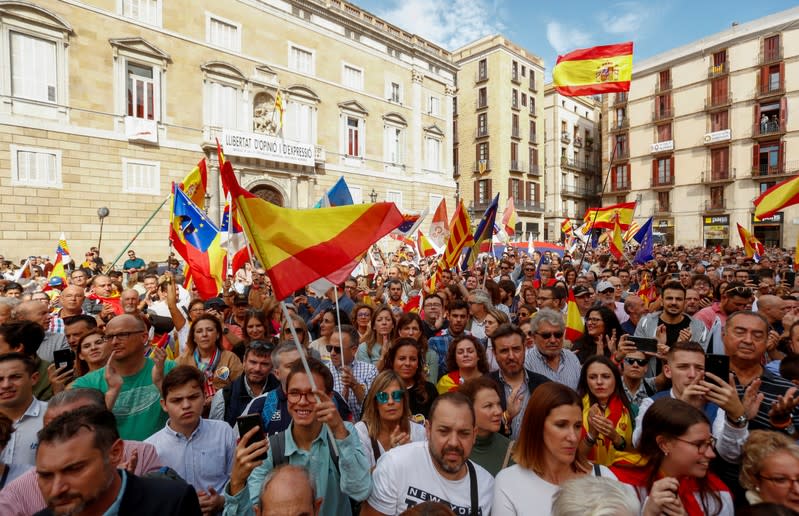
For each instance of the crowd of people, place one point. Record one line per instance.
(528, 384)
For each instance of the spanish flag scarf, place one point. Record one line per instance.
(604, 452)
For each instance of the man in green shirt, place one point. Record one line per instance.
(131, 381)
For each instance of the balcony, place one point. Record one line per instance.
(718, 101)
(663, 86)
(481, 166)
(771, 90)
(589, 145)
(663, 114)
(621, 154)
(780, 171)
(578, 191)
(478, 208)
(715, 205)
(515, 133)
(715, 177)
(578, 142)
(481, 132)
(481, 103)
(517, 166)
(481, 76)
(662, 210)
(768, 129)
(771, 56)
(619, 125)
(534, 170)
(619, 187)
(718, 70)
(578, 165)
(565, 138)
(620, 99)
(662, 183)
(529, 206)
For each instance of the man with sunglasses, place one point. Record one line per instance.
(230, 402)
(633, 370)
(351, 378)
(547, 357)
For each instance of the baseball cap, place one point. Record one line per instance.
(216, 303)
(580, 290)
(604, 286)
(240, 299)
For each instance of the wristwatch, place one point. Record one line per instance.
(739, 422)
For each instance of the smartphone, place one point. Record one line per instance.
(645, 344)
(64, 357)
(754, 278)
(246, 423)
(718, 365)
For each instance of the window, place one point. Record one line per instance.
(394, 136)
(720, 163)
(621, 146)
(434, 106)
(515, 125)
(395, 197)
(664, 132)
(395, 94)
(663, 171)
(533, 192)
(514, 155)
(663, 106)
(771, 48)
(482, 125)
(524, 100)
(141, 177)
(663, 201)
(524, 71)
(532, 80)
(482, 194)
(621, 177)
(532, 131)
(482, 152)
(719, 121)
(352, 77)
(664, 80)
(354, 137)
(719, 60)
(482, 70)
(301, 59)
(299, 121)
(765, 186)
(224, 106)
(514, 102)
(515, 190)
(533, 156)
(222, 33)
(532, 105)
(514, 74)
(147, 11)
(717, 198)
(482, 98)
(36, 167)
(33, 68)
(433, 154)
(141, 91)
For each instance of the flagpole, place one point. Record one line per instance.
(152, 216)
(596, 212)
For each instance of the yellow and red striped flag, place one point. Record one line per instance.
(752, 246)
(460, 236)
(195, 184)
(631, 231)
(615, 242)
(779, 196)
(424, 246)
(596, 70)
(604, 216)
(575, 327)
(509, 218)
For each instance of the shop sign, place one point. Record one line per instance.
(777, 218)
(717, 220)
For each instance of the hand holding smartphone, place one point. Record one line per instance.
(246, 423)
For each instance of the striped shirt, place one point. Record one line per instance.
(771, 386)
(364, 373)
(568, 372)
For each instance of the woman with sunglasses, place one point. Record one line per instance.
(491, 449)
(386, 423)
(410, 325)
(302, 334)
(607, 414)
(404, 356)
(361, 318)
(672, 473)
(466, 359)
(382, 334)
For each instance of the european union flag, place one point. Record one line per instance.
(645, 251)
(191, 223)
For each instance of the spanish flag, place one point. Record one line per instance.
(752, 246)
(509, 218)
(785, 193)
(615, 242)
(604, 216)
(195, 184)
(575, 327)
(596, 70)
(566, 227)
(424, 246)
(298, 247)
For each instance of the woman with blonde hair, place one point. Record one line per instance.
(381, 336)
(770, 469)
(386, 419)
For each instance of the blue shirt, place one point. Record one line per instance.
(203, 460)
(355, 480)
(114, 509)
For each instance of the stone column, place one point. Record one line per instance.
(293, 192)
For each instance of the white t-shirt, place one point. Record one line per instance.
(406, 476)
(418, 434)
(518, 490)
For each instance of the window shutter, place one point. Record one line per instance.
(783, 113)
(782, 74)
(654, 171)
(757, 119)
(781, 162)
(536, 188)
(489, 193)
(510, 188)
(477, 191)
(756, 157)
(764, 78)
(671, 169)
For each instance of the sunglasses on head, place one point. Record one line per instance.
(382, 396)
(548, 335)
(739, 291)
(640, 361)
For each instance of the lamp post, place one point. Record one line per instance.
(102, 213)
(373, 196)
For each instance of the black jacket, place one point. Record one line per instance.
(154, 497)
(533, 381)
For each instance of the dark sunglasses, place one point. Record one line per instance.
(299, 331)
(337, 349)
(548, 335)
(382, 396)
(640, 361)
(259, 345)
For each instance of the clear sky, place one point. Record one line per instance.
(549, 28)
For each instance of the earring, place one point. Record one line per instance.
(666, 453)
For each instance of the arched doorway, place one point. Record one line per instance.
(268, 193)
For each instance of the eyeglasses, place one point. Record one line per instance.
(295, 396)
(259, 345)
(548, 335)
(782, 482)
(363, 315)
(287, 331)
(638, 361)
(528, 269)
(529, 333)
(382, 396)
(120, 335)
(594, 319)
(701, 446)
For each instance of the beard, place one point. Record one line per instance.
(80, 500)
(438, 458)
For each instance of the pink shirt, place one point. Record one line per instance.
(709, 313)
(22, 497)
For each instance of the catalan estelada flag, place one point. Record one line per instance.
(298, 247)
(752, 246)
(591, 71)
(575, 327)
(785, 193)
(615, 242)
(460, 236)
(196, 239)
(604, 216)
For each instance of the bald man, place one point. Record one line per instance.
(288, 490)
(773, 308)
(39, 313)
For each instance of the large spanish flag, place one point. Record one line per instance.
(616, 244)
(752, 246)
(591, 71)
(602, 218)
(298, 247)
(575, 327)
(785, 193)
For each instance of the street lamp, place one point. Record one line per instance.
(373, 196)
(102, 213)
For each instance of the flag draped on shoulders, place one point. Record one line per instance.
(779, 196)
(298, 247)
(595, 70)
